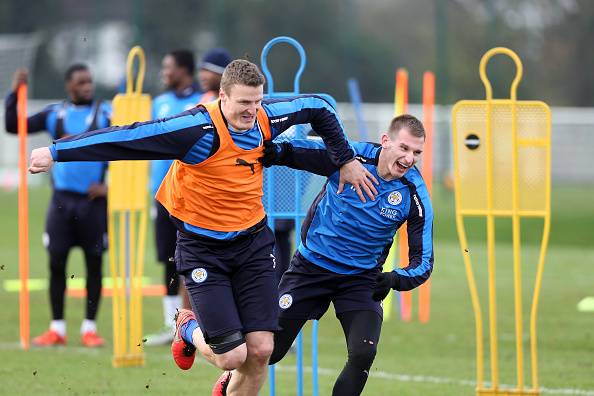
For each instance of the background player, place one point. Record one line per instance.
(77, 213)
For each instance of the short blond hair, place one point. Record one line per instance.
(241, 72)
(408, 122)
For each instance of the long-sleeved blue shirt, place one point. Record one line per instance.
(190, 137)
(346, 236)
(64, 119)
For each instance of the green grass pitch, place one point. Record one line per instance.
(437, 358)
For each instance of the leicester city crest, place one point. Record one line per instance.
(395, 198)
(199, 275)
(285, 301)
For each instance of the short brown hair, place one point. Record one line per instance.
(242, 72)
(408, 122)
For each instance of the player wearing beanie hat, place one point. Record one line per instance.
(211, 69)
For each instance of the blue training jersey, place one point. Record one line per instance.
(191, 138)
(346, 236)
(165, 105)
(67, 119)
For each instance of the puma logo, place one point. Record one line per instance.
(242, 162)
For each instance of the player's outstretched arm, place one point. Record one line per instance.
(312, 156)
(319, 113)
(168, 138)
(308, 155)
(41, 160)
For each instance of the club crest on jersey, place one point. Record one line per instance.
(394, 198)
(199, 275)
(285, 301)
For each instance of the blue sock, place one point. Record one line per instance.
(187, 329)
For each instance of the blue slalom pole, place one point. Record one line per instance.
(314, 358)
(300, 364)
(355, 94)
(276, 211)
(270, 186)
(271, 381)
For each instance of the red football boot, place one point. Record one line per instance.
(183, 353)
(92, 340)
(49, 338)
(220, 388)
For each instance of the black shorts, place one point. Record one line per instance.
(231, 284)
(306, 290)
(165, 234)
(75, 220)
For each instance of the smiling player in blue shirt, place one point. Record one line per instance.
(345, 242)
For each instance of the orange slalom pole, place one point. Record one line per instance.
(404, 91)
(401, 93)
(427, 172)
(402, 108)
(23, 217)
(428, 108)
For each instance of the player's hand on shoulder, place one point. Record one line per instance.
(384, 282)
(354, 173)
(41, 160)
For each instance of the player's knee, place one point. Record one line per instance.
(261, 351)
(57, 270)
(93, 262)
(363, 354)
(229, 349)
(232, 359)
(58, 262)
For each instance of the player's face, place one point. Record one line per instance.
(80, 86)
(240, 104)
(209, 81)
(171, 73)
(399, 154)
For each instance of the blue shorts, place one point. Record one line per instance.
(306, 290)
(165, 234)
(231, 284)
(75, 220)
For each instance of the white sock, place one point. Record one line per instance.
(170, 306)
(59, 326)
(88, 325)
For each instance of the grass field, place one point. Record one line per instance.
(437, 358)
